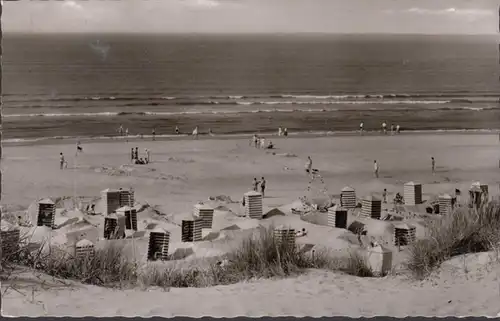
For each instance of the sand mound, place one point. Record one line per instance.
(273, 212)
(181, 253)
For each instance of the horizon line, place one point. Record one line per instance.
(241, 33)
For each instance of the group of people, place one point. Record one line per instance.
(260, 142)
(262, 184)
(394, 128)
(134, 156)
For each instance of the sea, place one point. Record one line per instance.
(88, 85)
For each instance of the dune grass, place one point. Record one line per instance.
(466, 230)
(257, 257)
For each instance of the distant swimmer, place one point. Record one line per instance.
(195, 132)
(384, 128)
(375, 168)
(361, 125)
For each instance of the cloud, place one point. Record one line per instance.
(451, 12)
(72, 4)
(202, 4)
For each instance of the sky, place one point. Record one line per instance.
(253, 16)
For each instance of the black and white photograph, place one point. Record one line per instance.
(229, 158)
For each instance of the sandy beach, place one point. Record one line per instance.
(184, 172)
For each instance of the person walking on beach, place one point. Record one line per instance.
(195, 132)
(361, 125)
(136, 153)
(79, 147)
(285, 132)
(153, 132)
(384, 195)
(309, 165)
(146, 151)
(433, 163)
(126, 132)
(132, 155)
(120, 130)
(263, 186)
(61, 161)
(255, 184)
(375, 168)
(384, 128)
(255, 141)
(280, 131)
(397, 129)
(177, 130)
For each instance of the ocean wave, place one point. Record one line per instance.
(235, 112)
(213, 99)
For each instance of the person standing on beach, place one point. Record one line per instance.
(195, 132)
(280, 131)
(361, 125)
(375, 168)
(384, 195)
(136, 153)
(384, 128)
(153, 133)
(285, 132)
(126, 132)
(263, 187)
(433, 162)
(120, 130)
(146, 151)
(61, 161)
(132, 154)
(309, 165)
(255, 184)
(397, 129)
(255, 141)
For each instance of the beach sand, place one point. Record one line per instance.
(186, 171)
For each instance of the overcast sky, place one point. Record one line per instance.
(253, 16)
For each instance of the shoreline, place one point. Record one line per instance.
(181, 137)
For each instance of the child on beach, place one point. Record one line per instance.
(262, 143)
(255, 184)
(375, 168)
(79, 148)
(177, 130)
(263, 186)
(61, 161)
